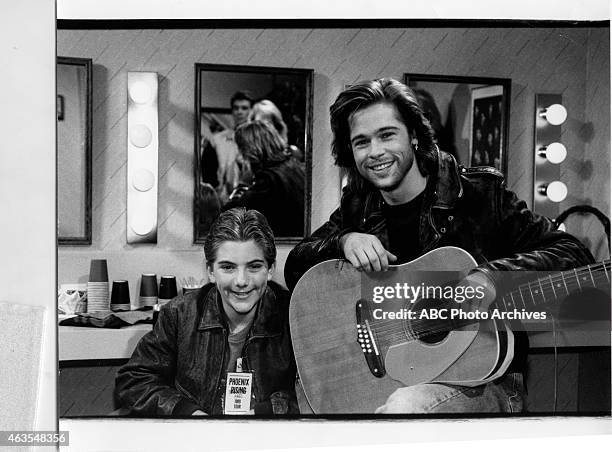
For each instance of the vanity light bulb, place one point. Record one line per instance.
(140, 136)
(140, 92)
(556, 114)
(556, 153)
(143, 222)
(143, 180)
(556, 191)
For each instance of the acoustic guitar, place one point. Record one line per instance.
(350, 358)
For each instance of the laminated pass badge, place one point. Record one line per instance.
(238, 393)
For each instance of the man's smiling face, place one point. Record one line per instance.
(381, 145)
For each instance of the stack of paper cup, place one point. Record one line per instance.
(97, 287)
(148, 290)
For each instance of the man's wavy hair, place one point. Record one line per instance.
(365, 94)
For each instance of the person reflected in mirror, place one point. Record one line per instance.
(266, 110)
(219, 153)
(235, 326)
(277, 187)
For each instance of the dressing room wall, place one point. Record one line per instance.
(570, 61)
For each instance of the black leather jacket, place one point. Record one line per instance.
(178, 367)
(469, 208)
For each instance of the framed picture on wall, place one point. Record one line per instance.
(449, 102)
(487, 130)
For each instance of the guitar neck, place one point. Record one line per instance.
(552, 287)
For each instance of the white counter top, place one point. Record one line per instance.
(80, 343)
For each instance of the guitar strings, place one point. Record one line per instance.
(416, 333)
(572, 281)
(560, 277)
(407, 336)
(399, 333)
(393, 328)
(392, 331)
(382, 322)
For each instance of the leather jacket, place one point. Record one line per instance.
(469, 208)
(179, 366)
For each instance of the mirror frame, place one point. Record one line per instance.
(506, 84)
(308, 74)
(86, 238)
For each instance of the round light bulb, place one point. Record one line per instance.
(556, 153)
(140, 136)
(556, 191)
(143, 180)
(140, 92)
(143, 222)
(556, 114)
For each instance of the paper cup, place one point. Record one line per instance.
(167, 287)
(148, 285)
(120, 296)
(98, 270)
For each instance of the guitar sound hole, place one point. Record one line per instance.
(430, 330)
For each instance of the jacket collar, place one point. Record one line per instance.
(267, 322)
(447, 182)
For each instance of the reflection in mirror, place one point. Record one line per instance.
(74, 151)
(253, 146)
(468, 114)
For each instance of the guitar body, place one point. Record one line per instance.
(331, 363)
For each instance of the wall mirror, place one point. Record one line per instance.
(469, 115)
(279, 187)
(74, 151)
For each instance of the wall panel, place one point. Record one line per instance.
(538, 60)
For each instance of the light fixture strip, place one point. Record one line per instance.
(548, 154)
(142, 161)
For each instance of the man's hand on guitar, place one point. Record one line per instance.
(366, 252)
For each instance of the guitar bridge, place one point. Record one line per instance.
(367, 340)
